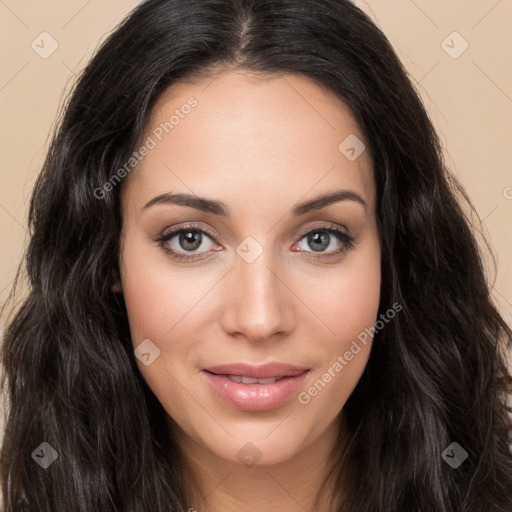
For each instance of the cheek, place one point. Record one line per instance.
(170, 306)
(346, 299)
(345, 353)
(160, 306)
(159, 296)
(347, 305)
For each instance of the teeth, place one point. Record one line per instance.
(234, 378)
(252, 380)
(269, 380)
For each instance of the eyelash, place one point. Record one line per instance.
(348, 242)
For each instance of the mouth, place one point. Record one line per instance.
(251, 380)
(262, 371)
(255, 388)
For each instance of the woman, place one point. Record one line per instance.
(252, 282)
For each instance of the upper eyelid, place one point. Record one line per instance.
(172, 232)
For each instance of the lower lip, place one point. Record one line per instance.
(255, 397)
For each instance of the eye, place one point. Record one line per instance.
(326, 241)
(188, 239)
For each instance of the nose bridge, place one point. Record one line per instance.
(258, 304)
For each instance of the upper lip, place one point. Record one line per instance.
(261, 371)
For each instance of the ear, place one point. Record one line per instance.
(116, 286)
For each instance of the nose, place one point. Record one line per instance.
(257, 304)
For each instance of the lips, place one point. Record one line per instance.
(255, 388)
(263, 371)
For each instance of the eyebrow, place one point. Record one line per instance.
(220, 208)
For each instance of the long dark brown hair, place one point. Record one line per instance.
(436, 374)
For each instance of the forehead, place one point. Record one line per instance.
(240, 136)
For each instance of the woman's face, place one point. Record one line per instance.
(255, 277)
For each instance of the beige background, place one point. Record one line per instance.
(469, 99)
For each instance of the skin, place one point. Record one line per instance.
(260, 144)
